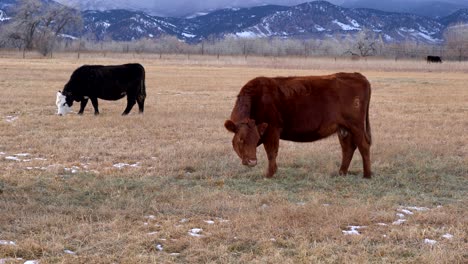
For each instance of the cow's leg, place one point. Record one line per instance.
(131, 101)
(94, 101)
(141, 104)
(347, 148)
(364, 148)
(271, 145)
(82, 106)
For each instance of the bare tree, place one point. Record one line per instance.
(456, 39)
(26, 21)
(55, 21)
(365, 44)
(38, 26)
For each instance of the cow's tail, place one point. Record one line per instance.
(368, 133)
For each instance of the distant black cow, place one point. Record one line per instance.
(104, 82)
(433, 59)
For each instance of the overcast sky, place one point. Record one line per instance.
(184, 7)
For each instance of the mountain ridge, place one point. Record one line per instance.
(317, 19)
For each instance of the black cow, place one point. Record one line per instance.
(434, 59)
(104, 82)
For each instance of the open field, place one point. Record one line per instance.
(66, 195)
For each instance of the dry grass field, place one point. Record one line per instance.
(67, 195)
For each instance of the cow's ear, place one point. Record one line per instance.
(230, 126)
(262, 128)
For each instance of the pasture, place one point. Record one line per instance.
(167, 186)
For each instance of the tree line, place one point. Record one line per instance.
(42, 28)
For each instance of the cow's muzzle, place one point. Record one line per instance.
(249, 162)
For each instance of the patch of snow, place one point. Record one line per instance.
(151, 233)
(2, 153)
(447, 236)
(355, 23)
(12, 158)
(195, 232)
(246, 34)
(210, 222)
(174, 254)
(406, 211)
(417, 208)
(353, 230)
(68, 36)
(104, 24)
(10, 119)
(183, 220)
(67, 251)
(150, 35)
(319, 28)
(399, 222)
(345, 26)
(400, 215)
(301, 203)
(7, 243)
(382, 224)
(429, 241)
(22, 154)
(73, 169)
(32, 262)
(3, 16)
(150, 217)
(123, 165)
(159, 247)
(187, 35)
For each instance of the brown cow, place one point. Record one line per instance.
(302, 109)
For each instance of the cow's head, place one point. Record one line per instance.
(62, 104)
(246, 137)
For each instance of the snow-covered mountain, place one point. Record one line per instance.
(318, 20)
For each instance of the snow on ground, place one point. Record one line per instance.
(67, 251)
(159, 247)
(447, 236)
(10, 118)
(123, 165)
(429, 241)
(399, 222)
(353, 230)
(7, 243)
(195, 232)
(32, 262)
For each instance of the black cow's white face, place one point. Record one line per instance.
(62, 105)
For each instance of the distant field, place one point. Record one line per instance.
(135, 189)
